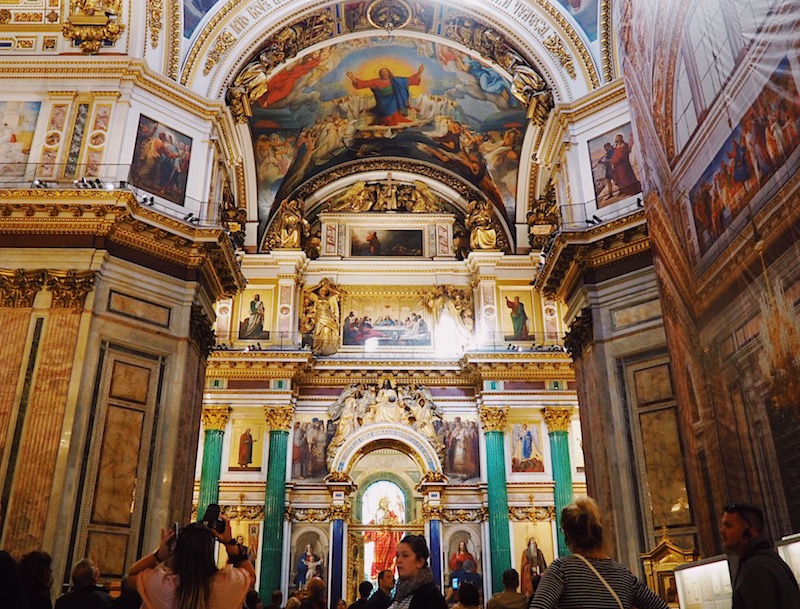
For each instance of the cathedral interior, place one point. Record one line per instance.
(356, 269)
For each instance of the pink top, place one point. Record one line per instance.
(159, 588)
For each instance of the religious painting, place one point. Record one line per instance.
(161, 160)
(255, 314)
(460, 436)
(311, 437)
(385, 317)
(412, 16)
(309, 557)
(762, 142)
(383, 510)
(247, 445)
(536, 550)
(526, 448)
(516, 322)
(615, 171)
(462, 553)
(193, 13)
(585, 13)
(17, 125)
(385, 242)
(246, 532)
(388, 97)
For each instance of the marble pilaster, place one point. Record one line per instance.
(215, 418)
(558, 420)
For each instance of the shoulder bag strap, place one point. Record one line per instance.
(603, 580)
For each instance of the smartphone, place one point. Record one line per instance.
(455, 583)
(176, 529)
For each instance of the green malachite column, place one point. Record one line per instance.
(215, 418)
(558, 422)
(280, 421)
(494, 423)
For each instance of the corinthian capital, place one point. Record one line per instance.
(279, 418)
(69, 288)
(18, 288)
(493, 419)
(557, 418)
(216, 417)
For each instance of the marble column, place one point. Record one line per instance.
(558, 420)
(279, 420)
(340, 515)
(494, 424)
(215, 418)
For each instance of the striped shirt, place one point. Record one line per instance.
(568, 583)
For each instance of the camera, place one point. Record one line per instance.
(212, 520)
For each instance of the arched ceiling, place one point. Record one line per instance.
(445, 94)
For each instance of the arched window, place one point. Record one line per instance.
(383, 507)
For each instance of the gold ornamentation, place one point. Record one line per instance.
(289, 228)
(321, 317)
(279, 418)
(432, 512)
(337, 476)
(28, 17)
(780, 340)
(389, 14)
(531, 513)
(216, 417)
(433, 477)
(69, 288)
(462, 515)
(341, 512)
(18, 288)
(555, 45)
(154, 17)
(493, 418)
(293, 514)
(580, 335)
(242, 512)
(557, 418)
(251, 83)
(52, 17)
(93, 23)
(222, 45)
(5, 16)
(200, 331)
(456, 301)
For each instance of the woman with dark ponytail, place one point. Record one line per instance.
(589, 578)
(182, 572)
(415, 588)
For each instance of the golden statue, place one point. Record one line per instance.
(326, 316)
(292, 226)
(356, 199)
(423, 200)
(483, 235)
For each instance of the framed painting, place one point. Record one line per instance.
(247, 445)
(526, 448)
(255, 314)
(615, 170)
(399, 242)
(17, 124)
(516, 323)
(386, 317)
(161, 160)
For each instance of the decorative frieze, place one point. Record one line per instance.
(293, 514)
(242, 512)
(531, 513)
(432, 512)
(479, 514)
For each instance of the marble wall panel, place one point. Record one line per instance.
(143, 310)
(635, 315)
(12, 349)
(119, 460)
(108, 550)
(129, 382)
(653, 385)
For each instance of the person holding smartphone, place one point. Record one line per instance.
(182, 573)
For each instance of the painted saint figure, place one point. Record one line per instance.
(533, 564)
(308, 566)
(246, 448)
(391, 94)
(459, 556)
(518, 318)
(385, 540)
(254, 326)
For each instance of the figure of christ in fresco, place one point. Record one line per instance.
(385, 540)
(391, 94)
(459, 556)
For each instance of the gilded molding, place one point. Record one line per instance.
(216, 417)
(531, 513)
(606, 40)
(175, 37)
(493, 418)
(293, 514)
(222, 45)
(432, 512)
(241, 512)
(200, 330)
(69, 288)
(462, 515)
(580, 334)
(341, 512)
(18, 288)
(339, 477)
(555, 46)
(279, 418)
(557, 418)
(154, 18)
(93, 25)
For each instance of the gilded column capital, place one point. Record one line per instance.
(216, 417)
(69, 288)
(201, 332)
(279, 418)
(341, 512)
(557, 418)
(493, 418)
(432, 512)
(18, 288)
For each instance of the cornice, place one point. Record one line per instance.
(118, 217)
(255, 366)
(520, 366)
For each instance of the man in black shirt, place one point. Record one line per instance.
(383, 595)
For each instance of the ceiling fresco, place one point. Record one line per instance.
(387, 97)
